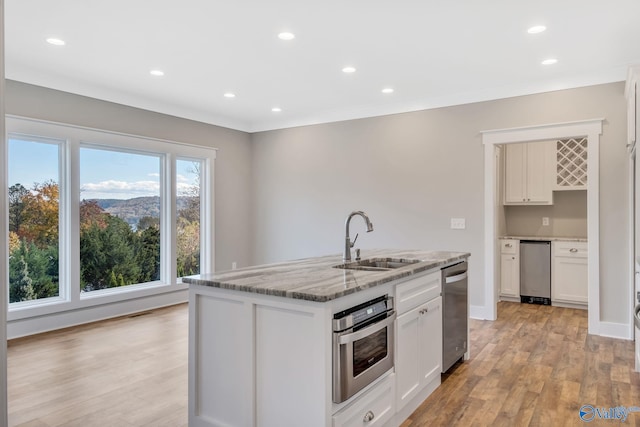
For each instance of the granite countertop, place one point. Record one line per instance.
(549, 238)
(315, 279)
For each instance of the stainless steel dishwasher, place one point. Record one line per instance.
(455, 314)
(535, 272)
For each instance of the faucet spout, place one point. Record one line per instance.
(347, 242)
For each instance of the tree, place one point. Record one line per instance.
(92, 213)
(17, 196)
(148, 254)
(147, 222)
(42, 267)
(39, 222)
(103, 250)
(21, 288)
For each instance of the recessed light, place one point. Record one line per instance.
(536, 29)
(56, 42)
(349, 70)
(286, 36)
(276, 109)
(157, 73)
(549, 61)
(387, 90)
(229, 95)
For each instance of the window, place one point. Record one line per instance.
(188, 216)
(34, 223)
(119, 218)
(98, 217)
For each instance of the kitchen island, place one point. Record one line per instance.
(261, 341)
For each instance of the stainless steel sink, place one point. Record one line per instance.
(377, 264)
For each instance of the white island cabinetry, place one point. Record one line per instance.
(261, 343)
(418, 338)
(257, 361)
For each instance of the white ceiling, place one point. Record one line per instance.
(432, 52)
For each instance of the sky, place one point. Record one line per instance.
(103, 174)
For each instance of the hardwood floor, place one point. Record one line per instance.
(535, 366)
(130, 371)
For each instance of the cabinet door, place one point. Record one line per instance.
(419, 349)
(515, 174)
(431, 340)
(408, 343)
(569, 280)
(539, 157)
(510, 275)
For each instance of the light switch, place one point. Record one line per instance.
(458, 223)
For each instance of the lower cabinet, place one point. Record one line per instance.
(510, 268)
(374, 408)
(419, 349)
(569, 272)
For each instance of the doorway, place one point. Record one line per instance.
(591, 129)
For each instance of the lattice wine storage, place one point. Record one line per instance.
(571, 163)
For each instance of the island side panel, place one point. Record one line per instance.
(292, 366)
(220, 360)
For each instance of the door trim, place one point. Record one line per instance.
(592, 129)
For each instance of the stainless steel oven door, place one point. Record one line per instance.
(360, 356)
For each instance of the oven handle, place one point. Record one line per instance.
(358, 335)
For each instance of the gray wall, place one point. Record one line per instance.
(233, 235)
(285, 194)
(412, 172)
(567, 217)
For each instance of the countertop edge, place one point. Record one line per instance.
(359, 280)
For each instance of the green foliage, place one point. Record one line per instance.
(112, 254)
(21, 288)
(41, 267)
(108, 249)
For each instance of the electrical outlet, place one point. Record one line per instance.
(545, 220)
(458, 223)
(234, 265)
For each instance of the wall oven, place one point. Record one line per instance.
(363, 341)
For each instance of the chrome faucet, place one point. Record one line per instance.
(348, 244)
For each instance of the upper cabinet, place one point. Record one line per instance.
(529, 173)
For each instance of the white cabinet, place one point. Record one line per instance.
(374, 408)
(418, 340)
(529, 173)
(569, 273)
(510, 268)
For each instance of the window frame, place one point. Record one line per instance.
(73, 138)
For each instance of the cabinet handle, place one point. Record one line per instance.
(573, 250)
(424, 311)
(368, 417)
(508, 245)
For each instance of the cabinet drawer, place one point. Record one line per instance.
(509, 246)
(570, 249)
(417, 291)
(374, 408)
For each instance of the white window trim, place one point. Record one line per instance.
(75, 307)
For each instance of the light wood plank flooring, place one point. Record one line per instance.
(129, 371)
(535, 366)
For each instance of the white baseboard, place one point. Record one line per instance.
(480, 312)
(616, 330)
(64, 319)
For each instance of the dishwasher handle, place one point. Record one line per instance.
(456, 278)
